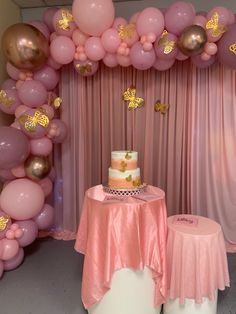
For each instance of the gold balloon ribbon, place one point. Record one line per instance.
(6, 101)
(130, 96)
(169, 45)
(84, 68)
(213, 24)
(67, 18)
(162, 108)
(232, 48)
(3, 222)
(126, 31)
(30, 123)
(57, 102)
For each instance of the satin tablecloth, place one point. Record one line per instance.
(121, 233)
(196, 258)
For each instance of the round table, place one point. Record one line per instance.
(196, 264)
(124, 243)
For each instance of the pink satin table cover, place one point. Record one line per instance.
(196, 258)
(130, 233)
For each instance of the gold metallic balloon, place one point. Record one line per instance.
(192, 40)
(37, 167)
(25, 46)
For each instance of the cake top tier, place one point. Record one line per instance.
(124, 154)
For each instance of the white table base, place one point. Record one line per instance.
(132, 292)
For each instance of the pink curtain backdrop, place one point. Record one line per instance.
(189, 152)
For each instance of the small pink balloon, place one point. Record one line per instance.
(205, 56)
(46, 185)
(10, 101)
(124, 61)
(42, 27)
(79, 38)
(32, 93)
(41, 146)
(30, 232)
(134, 18)
(14, 227)
(15, 261)
(12, 71)
(18, 233)
(86, 68)
(48, 18)
(49, 111)
(53, 64)
(94, 49)
(210, 48)
(61, 129)
(45, 218)
(62, 49)
(180, 56)
(19, 171)
(118, 21)
(6, 174)
(163, 65)
(110, 60)
(9, 84)
(110, 40)
(200, 20)
(16, 125)
(63, 22)
(47, 76)
(142, 60)
(150, 20)
(20, 110)
(10, 235)
(10, 249)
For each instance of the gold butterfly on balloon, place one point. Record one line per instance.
(169, 45)
(30, 123)
(134, 102)
(6, 101)
(126, 31)
(213, 24)
(67, 18)
(162, 108)
(3, 222)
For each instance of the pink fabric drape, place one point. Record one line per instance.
(189, 152)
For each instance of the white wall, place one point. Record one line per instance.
(126, 9)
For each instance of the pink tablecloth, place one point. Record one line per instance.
(117, 233)
(196, 258)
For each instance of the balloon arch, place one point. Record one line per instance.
(86, 35)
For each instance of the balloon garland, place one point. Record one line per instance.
(88, 34)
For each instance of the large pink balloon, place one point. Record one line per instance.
(163, 65)
(47, 76)
(62, 49)
(226, 48)
(111, 40)
(32, 93)
(14, 147)
(45, 218)
(93, 17)
(110, 60)
(30, 232)
(142, 60)
(15, 261)
(12, 71)
(150, 20)
(178, 16)
(94, 49)
(42, 27)
(10, 249)
(48, 17)
(41, 146)
(9, 84)
(22, 199)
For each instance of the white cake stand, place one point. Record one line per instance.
(125, 192)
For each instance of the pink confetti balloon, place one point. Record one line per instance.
(86, 68)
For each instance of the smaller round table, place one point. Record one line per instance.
(196, 264)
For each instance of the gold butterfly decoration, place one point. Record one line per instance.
(134, 101)
(162, 108)
(3, 222)
(126, 31)
(127, 155)
(57, 102)
(232, 48)
(169, 45)
(129, 178)
(6, 101)
(67, 18)
(84, 68)
(213, 24)
(123, 165)
(30, 123)
(137, 183)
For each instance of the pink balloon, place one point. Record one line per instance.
(134, 17)
(66, 28)
(180, 56)
(62, 49)
(210, 48)
(226, 51)
(18, 172)
(197, 60)
(9, 249)
(22, 199)
(49, 111)
(118, 21)
(30, 232)
(231, 17)
(150, 20)
(110, 40)
(163, 65)
(12, 71)
(41, 146)
(94, 49)
(161, 45)
(110, 60)
(124, 61)
(224, 18)
(53, 64)
(48, 18)
(9, 101)
(178, 16)
(200, 20)
(16, 125)
(45, 218)
(142, 60)
(48, 77)
(93, 17)
(32, 93)
(61, 130)
(39, 129)
(79, 38)
(20, 110)
(6, 174)
(6, 225)
(9, 84)
(86, 68)
(42, 27)
(15, 261)
(46, 185)
(10, 235)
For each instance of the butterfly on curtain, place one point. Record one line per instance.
(3, 222)
(134, 101)
(6, 101)
(162, 108)
(67, 18)
(213, 24)
(126, 31)
(30, 123)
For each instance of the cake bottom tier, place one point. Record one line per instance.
(129, 179)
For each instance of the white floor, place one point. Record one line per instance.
(49, 282)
